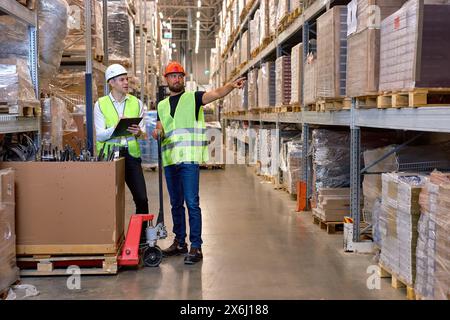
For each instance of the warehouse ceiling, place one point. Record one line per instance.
(183, 15)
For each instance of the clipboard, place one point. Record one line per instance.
(122, 126)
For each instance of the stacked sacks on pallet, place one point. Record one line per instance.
(432, 253)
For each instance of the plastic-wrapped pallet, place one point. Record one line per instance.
(363, 57)
(15, 83)
(332, 52)
(415, 47)
(244, 47)
(255, 31)
(9, 273)
(294, 4)
(273, 9)
(268, 154)
(435, 155)
(283, 80)
(120, 32)
(310, 80)
(71, 80)
(442, 254)
(241, 6)
(264, 20)
(398, 224)
(253, 89)
(331, 158)
(426, 242)
(138, 62)
(433, 264)
(52, 32)
(56, 121)
(282, 10)
(149, 146)
(294, 165)
(74, 43)
(296, 73)
(266, 85)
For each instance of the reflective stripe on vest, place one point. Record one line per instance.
(131, 110)
(184, 137)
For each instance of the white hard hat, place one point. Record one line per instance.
(114, 70)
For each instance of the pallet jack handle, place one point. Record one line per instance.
(161, 201)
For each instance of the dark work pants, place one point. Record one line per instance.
(134, 178)
(183, 185)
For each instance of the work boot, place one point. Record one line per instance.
(194, 256)
(175, 249)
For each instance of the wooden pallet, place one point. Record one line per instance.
(397, 282)
(268, 178)
(323, 105)
(21, 108)
(30, 4)
(149, 166)
(283, 108)
(56, 265)
(331, 226)
(255, 111)
(366, 102)
(267, 110)
(212, 166)
(427, 97)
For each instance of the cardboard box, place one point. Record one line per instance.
(415, 47)
(69, 207)
(9, 273)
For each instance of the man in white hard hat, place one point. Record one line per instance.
(107, 112)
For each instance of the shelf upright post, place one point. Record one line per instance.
(142, 44)
(88, 77)
(305, 54)
(33, 63)
(105, 42)
(306, 163)
(355, 172)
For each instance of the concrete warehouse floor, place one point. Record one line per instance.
(255, 247)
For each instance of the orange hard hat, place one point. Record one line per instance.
(174, 67)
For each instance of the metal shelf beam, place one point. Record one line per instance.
(13, 124)
(13, 8)
(431, 119)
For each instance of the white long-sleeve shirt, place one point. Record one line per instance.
(103, 134)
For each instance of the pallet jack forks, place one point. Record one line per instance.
(149, 252)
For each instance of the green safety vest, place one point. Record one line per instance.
(131, 110)
(184, 137)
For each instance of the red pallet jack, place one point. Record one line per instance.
(132, 250)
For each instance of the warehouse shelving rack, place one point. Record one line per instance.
(12, 123)
(426, 119)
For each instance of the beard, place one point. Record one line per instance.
(176, 88)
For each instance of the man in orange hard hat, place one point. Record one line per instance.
(184, 147)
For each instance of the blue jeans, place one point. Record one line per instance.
(183, 184)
